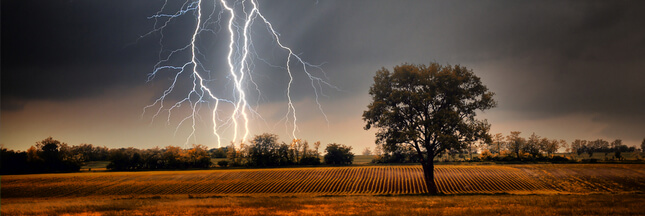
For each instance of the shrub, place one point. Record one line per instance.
(592, 160)
(486, 155)
(310, 160)
(222, 163)
(618, 156)
(559, 159)
(338, 154)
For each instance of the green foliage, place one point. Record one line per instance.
(431, 108)
(338, 154)
(428, 108)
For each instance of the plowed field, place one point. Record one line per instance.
(457, 179)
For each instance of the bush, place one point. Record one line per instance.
(310, 160)
(475, 159)
(559, 159)
(592, 160)
(487, 156)
(222, 163)
(338, 154)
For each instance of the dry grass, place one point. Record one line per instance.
(610, 204)
(579, 189)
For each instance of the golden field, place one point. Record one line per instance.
(352, 190)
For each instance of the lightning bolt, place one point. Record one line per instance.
(241, 17)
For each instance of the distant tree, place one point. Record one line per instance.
(398, 154)
(578, 146)
(119, 159)
(136, 162)
(296, 145)
(429, 108)
(32, 156)
(13, 162)
(89, 152)
(218, 152)
(552, 146)
(311, 157)
(563, 144)
(497, 144)
(543, 145)
(515, 143)
(618, 155)
(153, 158)
(55, 160)
(198, 157)
(338, 154)
(615, 144)
(231, 154)
(532, 145)
(316, 148)
(263, 150)
(367, 151)
(304, 149)
(598, 145)
(643, 145)
(283, 155)
(49, 151)
(173, 157)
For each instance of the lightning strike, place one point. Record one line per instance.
(240, 69)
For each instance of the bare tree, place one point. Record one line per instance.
(515, 143)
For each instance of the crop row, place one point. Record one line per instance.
(325, 181)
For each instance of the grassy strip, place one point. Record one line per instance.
(596, 204)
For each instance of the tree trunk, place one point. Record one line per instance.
(428, 173)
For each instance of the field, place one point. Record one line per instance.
(130, 191)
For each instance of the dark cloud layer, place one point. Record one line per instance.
(542, 58)
(68, 49)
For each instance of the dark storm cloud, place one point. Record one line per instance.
(542, 58)
(69, 49)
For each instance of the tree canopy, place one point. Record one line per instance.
(431, 108)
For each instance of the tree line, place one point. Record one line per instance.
(265, 150)
(50, 155)
(512, 147)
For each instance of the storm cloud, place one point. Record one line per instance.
(543, 59)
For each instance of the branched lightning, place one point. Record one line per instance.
(240, 17)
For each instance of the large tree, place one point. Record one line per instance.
(429, 108)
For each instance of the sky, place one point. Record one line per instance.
(79, 70)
